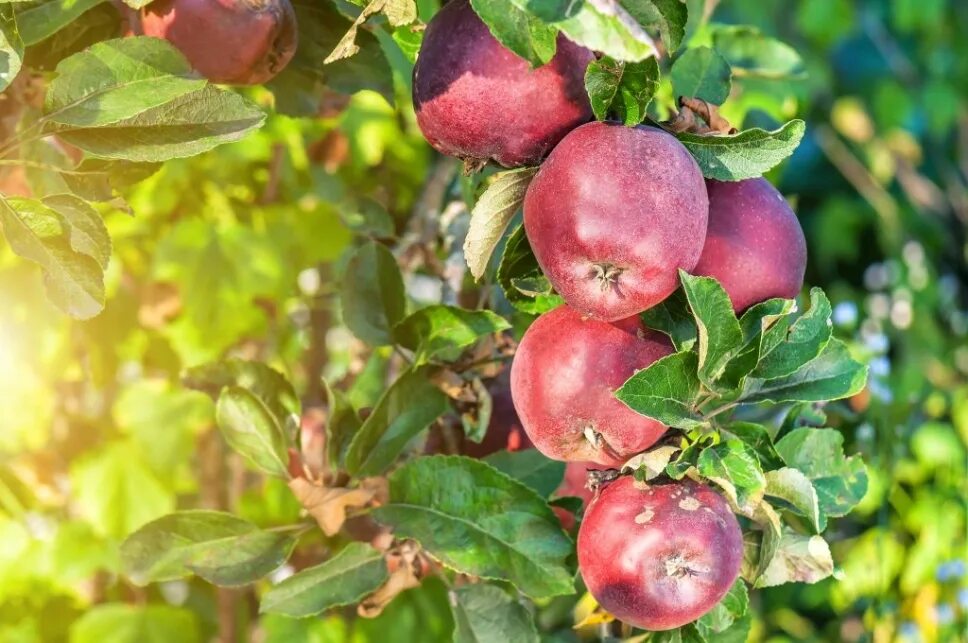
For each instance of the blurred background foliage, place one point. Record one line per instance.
(239, 251)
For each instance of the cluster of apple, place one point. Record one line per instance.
(612, 215)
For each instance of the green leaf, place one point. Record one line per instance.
(122, 623)
(74, 280)
(356, 571)
(217, 546)
(165, 421)
(686, 634)
(733, 607)
(737, 632)
(486, 614)
(88, 234)
(620, 88)
(372, 294)
(303, 86)
(751, 54)
(193, 123)
(479, 521)
(701, 73)
(11, 47)
(117, 80)
(518, 30)
(491, 215)
(755, 322)
(409, 41)
(832, 375)
(524, 285)
(367, 216)
(841, 482)
(549, 11)
(250, 428)
(673, 317)
(43, 19)
(719, 332)
(785, 348)
(115, 490)
(794, 488)
(735, 468)
(97, 179)
(798, 559)
(342, 423)
(686, 460)
(757, 438)
(745, 155)
(441, 331)
(406, 408)
(668, 17)
(609, 27)
(531, 467)
(264, 382)
(666, 391)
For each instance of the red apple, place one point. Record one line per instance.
(659, 557)
(243, 42)
(477, 100)
(754, 246)
(563, 379)
(613, 214)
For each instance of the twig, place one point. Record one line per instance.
(888, 48)
(859, 177)
(271, 191)
(214, 495)
(317, 355)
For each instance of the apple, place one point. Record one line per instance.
(613, 214)
(660, 556)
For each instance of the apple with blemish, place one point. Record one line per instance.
(754, 245)
(477, 100)
(563, 382)
(613, 214)
(660, 556)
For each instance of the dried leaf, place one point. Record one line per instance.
(329, 505)
(405, 566)
(653, 461)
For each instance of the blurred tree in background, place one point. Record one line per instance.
(241, 251)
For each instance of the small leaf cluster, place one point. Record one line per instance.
(787, 480)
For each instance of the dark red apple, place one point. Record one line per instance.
(240, 42)
(563, 379)
(612, 215)
(477, 100)
(659, 557)
(504, 431)
(754, 246)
